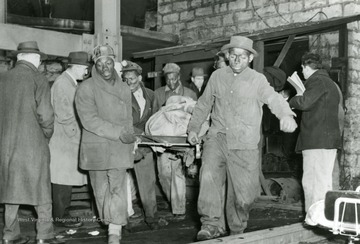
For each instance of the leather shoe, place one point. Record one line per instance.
(49, 241)
(20, 240)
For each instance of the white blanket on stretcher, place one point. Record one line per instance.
(173, 118)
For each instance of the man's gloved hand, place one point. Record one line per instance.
(141, 152)
(193, 138)
(127, 138)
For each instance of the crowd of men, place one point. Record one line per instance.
(53, 139)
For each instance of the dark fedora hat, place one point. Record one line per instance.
(79, 58)
(240, 42)
(29, 47)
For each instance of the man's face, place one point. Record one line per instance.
(239, 59)
(81, 71)
(172, 80)
(132, 79)
(306, 70)
(198, 81)
(105, 67)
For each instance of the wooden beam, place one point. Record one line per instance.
(50, 42)
(2, 11)
(258, 63)
(284, 50)
(289, 234)
(107, 25)
(343, 41)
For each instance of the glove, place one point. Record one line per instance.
(127, 138)
(140, 153)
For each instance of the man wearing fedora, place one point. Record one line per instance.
(198, 81)
(103, 103)
(234, 97)
(65, 142)
(27, 123)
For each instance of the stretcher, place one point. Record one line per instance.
(173, 143)
(344, 217)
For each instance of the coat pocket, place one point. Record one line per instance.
(94, 155)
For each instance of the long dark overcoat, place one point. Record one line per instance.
(105, 113)
(26, 124)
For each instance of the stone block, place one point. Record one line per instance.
(170, 18)
(195, 23)
(223, 7)
(215, 21)
(333, 11)
(258, 3)
(288, 7)
(187, 15)
(351, 8)
(266, 11)
(242, 16)
(354, 64)
(195, 3)
(165, 8)
(189, 36)
(229, 30)
(308, 4)
(204, 11)
(354, 37)
(167, 29)
(331, 2)
(353, 50)
(304, 16)
(238, 5)
(228, 19)
(207, 33)
(180, 6)
(248, 27)
(276, 21)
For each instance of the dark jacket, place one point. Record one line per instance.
(26, 124)
(105, 113)
(139, 123)
(319, 104)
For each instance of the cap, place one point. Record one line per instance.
(103, 51)
(171, 68)
(131, 66)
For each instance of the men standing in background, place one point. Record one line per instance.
(103, 104)
(26, 125)
(319, 136)
(65, 142)
(198, 81)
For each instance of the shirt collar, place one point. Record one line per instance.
(72, 77)
(167, 88)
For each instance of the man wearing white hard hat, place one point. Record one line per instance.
(234, 97)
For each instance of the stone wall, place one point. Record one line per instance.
(201, 20)
(205, 20)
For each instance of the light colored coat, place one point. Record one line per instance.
(65, 142)
(26, 124)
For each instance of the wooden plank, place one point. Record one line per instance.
(289, 234)
(297, 29)
(284, 50)
(50, 42)
(151, 35)
(343, 41)
(258, 63)
(2, 11)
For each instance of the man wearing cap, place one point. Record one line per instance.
(26, 124)
(65, 142)
(142, 102)
(198, 81)
(103, 103)
(170, 167)
(234, 96)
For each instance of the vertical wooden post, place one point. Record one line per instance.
(107, 25)
(2, 11)
(259, 60)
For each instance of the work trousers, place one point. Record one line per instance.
(110, 191)
(44, 225)
(145, 177)
(61, 197)
(241, 169)
(172, 180)
(318, 165)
